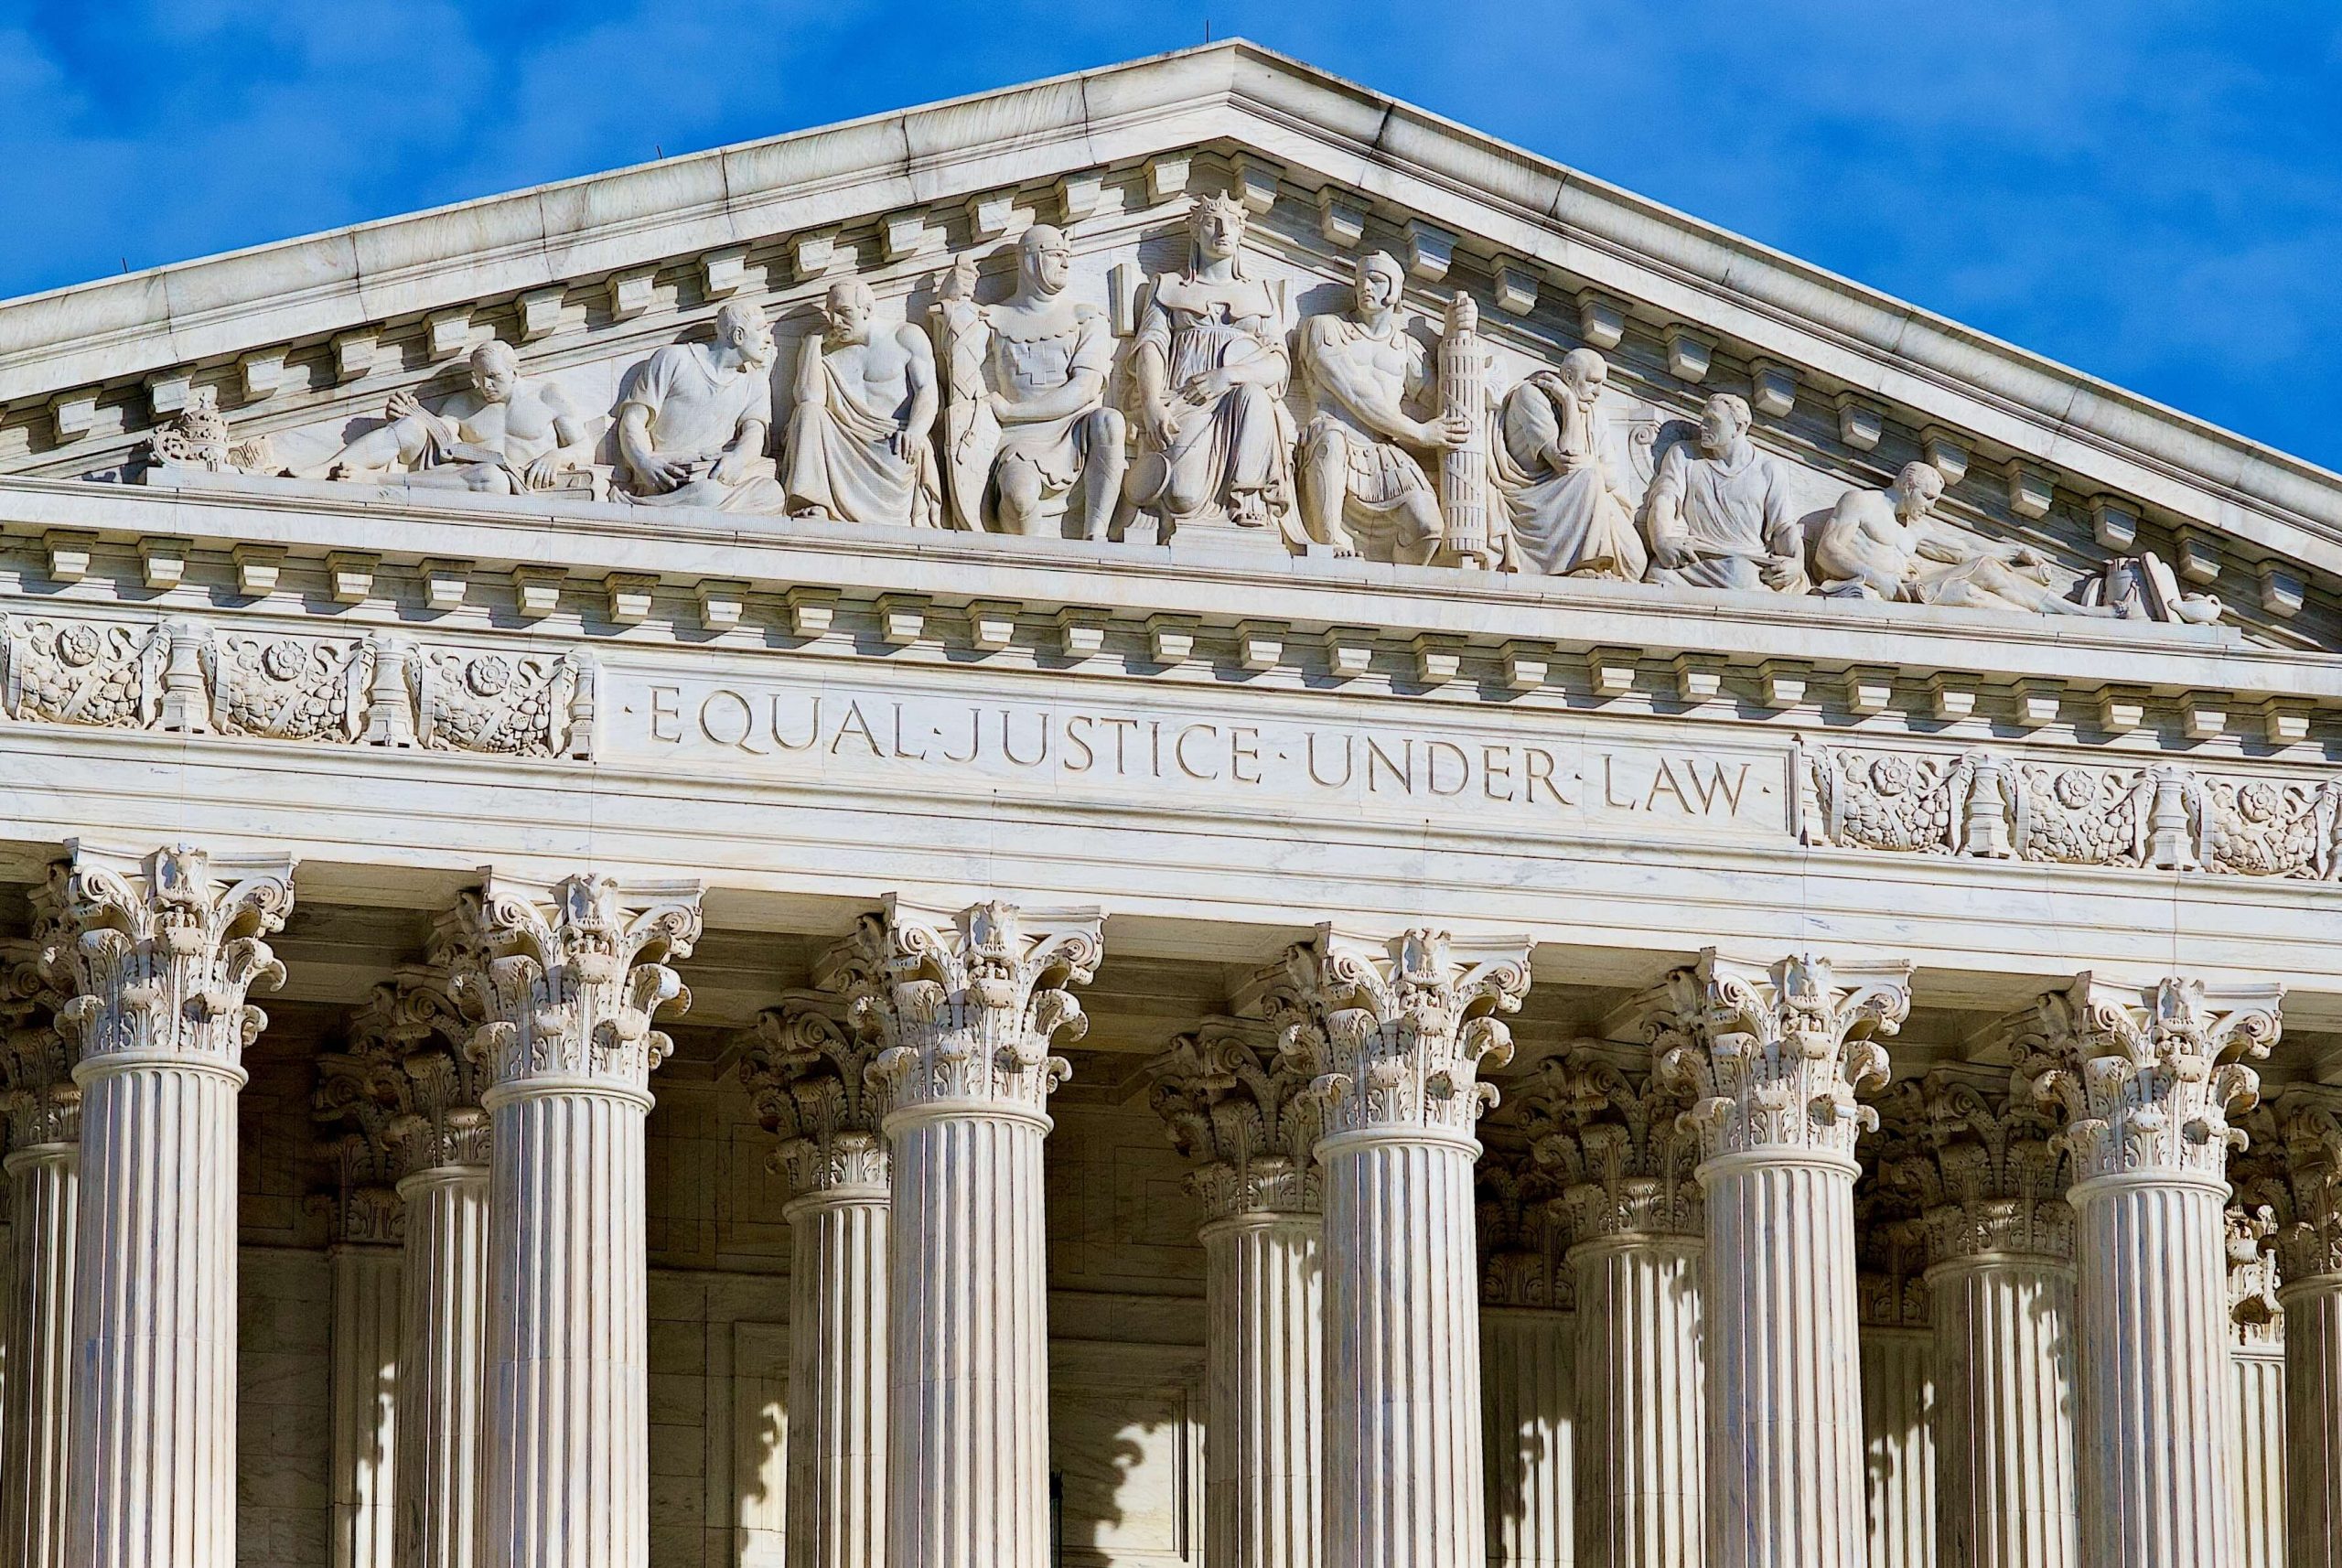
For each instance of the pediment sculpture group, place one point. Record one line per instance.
(1012, 417)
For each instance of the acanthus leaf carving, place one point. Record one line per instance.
(966, 1008)
(37, 1094)
(1773, 1055)
(2146, 1078)
(565, 982)
(405, 1093)
(1243, 1112)
(1393, 1034)
(807, 1073)
(1523, 1228)
(1617, 1145)
(2290, 1170)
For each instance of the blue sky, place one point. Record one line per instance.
(2149, 189)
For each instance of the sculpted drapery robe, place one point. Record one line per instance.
(694, 415)
(1566, 518)
(1734, 518)
(848, 460)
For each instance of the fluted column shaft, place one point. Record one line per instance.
(1785, 1425)
(154, 1456)
(837, 1377)
(442, 1369)
(368, 1298)
(35, 1407)
(2152, 1385)
(568, 1374)
(1264, 1343)
(2005, 1484)
(1641, 1419)
(2312, 1421)
(969, 1368)
(1527, 1367)
(1404, 1462)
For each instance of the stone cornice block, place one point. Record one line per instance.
(992, 624)
(541, 313)
(445, 582)
(2113, 523)
(1259, 645)
(2203, 715)
(1772, 387)
(1861, 423)
(68, 553)
(1256, 182)
(2030, 488)
(2037, 703)
(536, 591)
(902, 619)
(1429, 249)
(258, 568)
(1869, 691)
(631, 294)
(1078, 194)
(1781, 683)
(1341, 217)
(630, 595)
(2121, 711)
(1690, 353)
(1513, 282)
(1526, 665)
(723, 272)
(167, 393)
(1349, 652)
(1171, 639)
(73, 414)
(813, 255)
(1699, 678)
(354, 355)
(1947, 452)
(162, 560)
(2285, 723)
(261, 373)
(906, 236)
(990, 213)
(446, 333)
(1081, 632)
(723, 603)
(2282, 589)
(1439, 660)
(1601, 319)
(1167, 176)
(1611, 670)
(811, 611)
(349, 575)
(2199, 554)
(1952, 697)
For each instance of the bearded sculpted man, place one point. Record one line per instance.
(507, 435)
(1889, 544)
(1569, 518)
(1363, 492)
(1723, 519)
(1209, 368)
(1027, 421)
(858, 448)
(693, 421)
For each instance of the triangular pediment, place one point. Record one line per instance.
(304, 342)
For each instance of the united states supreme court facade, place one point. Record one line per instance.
(1170, 819)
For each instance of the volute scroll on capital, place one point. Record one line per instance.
(40, 1102)
(1244, 1113)
(155, 954)
(2148, 1077)
(1393, 1034)
(562, 981)
(963, 1008)
(404, 1084)
(809, 1076)
(2292, 1173)
(1616, 1147)
(1773, 1055)
(1988, 1173)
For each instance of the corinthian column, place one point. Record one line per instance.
(1637, 1217)
(1244, 1116)
(156, 956)
(1393, 1034)
(411, 1096)
(2146, 1078)
(963, 1011)
(43, 1105)
(1991, 1179)
(1528, 1346)
(565, 1036)
(808, 1076)
(1772, 1055)
(2307, 1204)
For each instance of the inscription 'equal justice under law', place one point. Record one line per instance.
(1007, 739)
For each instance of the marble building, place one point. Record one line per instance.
(1173, 818)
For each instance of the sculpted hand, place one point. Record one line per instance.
(1448, 430)
(1780, 572)
(730, 464)
(1161, 424)
(540, 475)
(1670, 551)
(662, 474)
(402, 404)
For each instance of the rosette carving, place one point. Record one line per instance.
(1616, 1145)
(406, 1095)
(966, 1007)
(1772, 1055)
(1244, 1113)
(157, 953)
(1392, 1035)
(564, 981)
(42, 1103)
(2147, 1076)
(808, 1076)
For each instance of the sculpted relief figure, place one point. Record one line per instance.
(1569, 517)
(1723, 519)
(693, 421)
(1888, 545)
(1209, 371)
(1027, 420)
(506, 436)
(1362, 491)
(858, 446)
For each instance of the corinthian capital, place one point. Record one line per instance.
(1989, 1172)
(405, 1094)
(42, 1103)
(563, 981)
(1523, 1231)
(155, 954)
(2147, 1076)
(1772, 1054)
(965, 1008)
(1243, 1112)
(2293, 1172)
(1392, 1033)
(1617, 1146)
(809, 1076)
